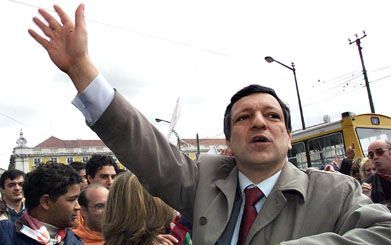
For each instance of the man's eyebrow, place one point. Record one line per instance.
(72, 197)
(246, 109)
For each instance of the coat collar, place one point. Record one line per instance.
(291, 181)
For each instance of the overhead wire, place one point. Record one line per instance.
(135, 31)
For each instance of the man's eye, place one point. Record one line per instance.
(241, 118)
(274, 116)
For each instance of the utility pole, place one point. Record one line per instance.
(358, 43)
(198, 146)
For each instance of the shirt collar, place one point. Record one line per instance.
(10, 209)
(265, 186)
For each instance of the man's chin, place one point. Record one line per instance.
(18, 199)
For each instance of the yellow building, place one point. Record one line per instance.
(65, 151)
(57, 150)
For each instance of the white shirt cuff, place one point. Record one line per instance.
(94, 100)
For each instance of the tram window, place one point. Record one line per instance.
(325, 149)
(367, 135)
(297, 155)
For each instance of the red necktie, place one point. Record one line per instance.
(253, 195)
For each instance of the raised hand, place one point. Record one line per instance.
(66, 44)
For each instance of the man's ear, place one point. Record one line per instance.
(44, 202)
(83, 211)
(290, 141)
(228, 142)
(229, 149)
(89, 178)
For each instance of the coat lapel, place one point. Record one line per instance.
(290, 179)
(220, 209)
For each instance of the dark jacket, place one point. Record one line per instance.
(12, 215)
(9, 236)
(380, 190)
(346, 165)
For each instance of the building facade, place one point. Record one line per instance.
(54, 149)
(57, 150)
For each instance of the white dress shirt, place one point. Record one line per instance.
(265, 186)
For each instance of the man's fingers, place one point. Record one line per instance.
(63, 16)
(39, 39)
(80, 21)
(45, 29)
(53, 23)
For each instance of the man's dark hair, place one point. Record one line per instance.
(97, 162)
(10, 174)
(252, 89)
(78, 166)
(52, 179)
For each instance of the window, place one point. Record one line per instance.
(85, 159)
(37, 161)
(69, 160)
(367, 135)
(325, 149)
(297, 155)
(53, 159)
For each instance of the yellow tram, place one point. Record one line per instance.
(318, 145)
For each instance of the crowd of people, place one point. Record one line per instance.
(252, 196)
(372, 172)
(54, 204)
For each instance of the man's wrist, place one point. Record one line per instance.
(82, 73)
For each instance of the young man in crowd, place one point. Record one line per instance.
(255, 197)
(101, 169)
(11, 184)
(92, 202)
(51, 192)
(80, 168)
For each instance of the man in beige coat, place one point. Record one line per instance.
(295, 207)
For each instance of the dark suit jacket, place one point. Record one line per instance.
(312, 207)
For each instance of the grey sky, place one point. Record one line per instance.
(201, 51)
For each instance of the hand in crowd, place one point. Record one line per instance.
(350, 153)
(66, 44)
(366, 189)
(165, 239)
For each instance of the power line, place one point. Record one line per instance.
(135, 31)
(12, 118)
(345, 92)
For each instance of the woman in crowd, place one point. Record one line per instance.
(132, 215)
(367, 168)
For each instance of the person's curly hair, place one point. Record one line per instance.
(52, 179)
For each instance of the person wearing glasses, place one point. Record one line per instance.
(92, 202)
(379, 184)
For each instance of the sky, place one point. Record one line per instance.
(154, 52)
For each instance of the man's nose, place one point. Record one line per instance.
(110, 181)
(258, 121)
(77, 205)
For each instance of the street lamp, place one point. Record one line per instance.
(293, 69)
(161, 120)
(173, 131)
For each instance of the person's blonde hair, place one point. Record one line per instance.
(132, 215)
(364, 161)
